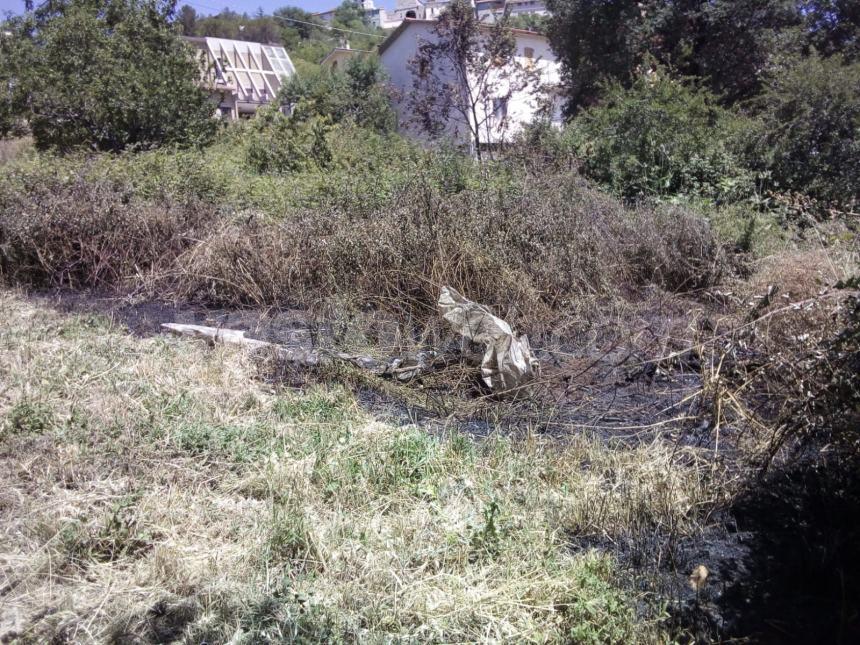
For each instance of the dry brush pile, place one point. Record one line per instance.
(542, 249)
(531, 248)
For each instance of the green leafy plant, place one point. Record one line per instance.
(356, 93)
(108, 76)
(278, 144)
(807, 135)
(661, 137)
(28, 417)
(486, 541)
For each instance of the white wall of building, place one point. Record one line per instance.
(521, 107)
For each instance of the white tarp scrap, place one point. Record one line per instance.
(508, 360)
(402, 368)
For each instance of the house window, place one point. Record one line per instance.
(500, 108)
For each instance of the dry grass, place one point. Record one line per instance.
(782, 366)
(535, 248)
(11, 149)
(153, 490)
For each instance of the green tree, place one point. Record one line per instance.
(350, 14)
(16, 50)
(834, 26)
(661, 137)
(306, 27)
(808, 131)
(356, 93)
(225, 24)
(595, 41)
(109, 75)
(188, 19)
(730, 43)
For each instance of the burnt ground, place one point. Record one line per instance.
(784, 558)
(783, 561)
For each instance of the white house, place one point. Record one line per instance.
(485, 10)
(504, 111)
(376, 16)
(241, 76)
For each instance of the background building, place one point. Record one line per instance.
(500, 117)
(241, 76)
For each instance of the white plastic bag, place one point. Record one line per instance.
(508, 361)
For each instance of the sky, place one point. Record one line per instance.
(214, 6)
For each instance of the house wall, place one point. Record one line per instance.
(339, 58)
(522, 106)
(395, 59)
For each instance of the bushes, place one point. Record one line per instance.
(530, 253)
(661, 137)
(85, 234)
(356, 94)
(808, 132)
(531, 246)
(107, 76)
(676, 249)
(280, 144)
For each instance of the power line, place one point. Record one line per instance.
(328, 27)
(301, 22)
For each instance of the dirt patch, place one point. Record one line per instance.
(144, 318)
(617, 392)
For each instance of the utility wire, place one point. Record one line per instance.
(328, 27)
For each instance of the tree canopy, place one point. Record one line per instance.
(108, 75)
(731, 44)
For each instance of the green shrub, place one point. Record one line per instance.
(357, 93)
(280, 144)
(808, 132)
(599, 613)
(101, 76)
(661, 137)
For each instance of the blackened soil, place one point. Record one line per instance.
(144, 318)
(802, 583)
(783, 561)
